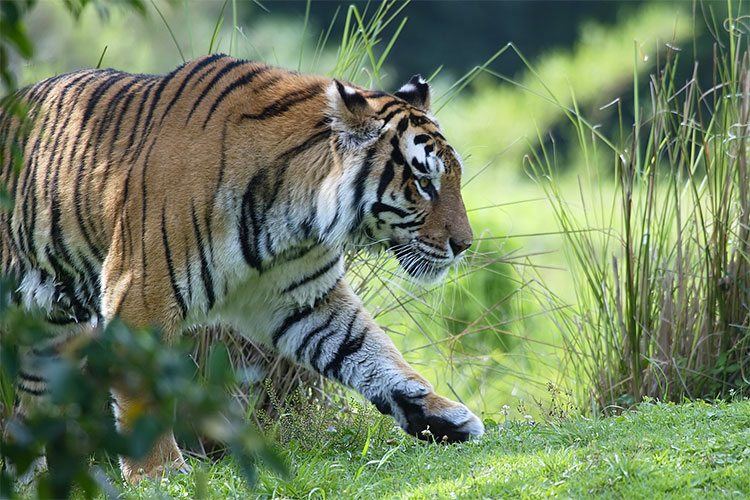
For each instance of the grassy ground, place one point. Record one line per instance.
(694, 450)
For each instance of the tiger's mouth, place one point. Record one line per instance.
(420, 266)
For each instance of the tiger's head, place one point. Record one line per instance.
(406, 177)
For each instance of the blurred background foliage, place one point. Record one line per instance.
(556, 86)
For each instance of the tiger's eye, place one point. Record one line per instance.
(424, 182)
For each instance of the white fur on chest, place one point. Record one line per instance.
(255, 301)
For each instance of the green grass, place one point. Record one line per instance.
(660, 450)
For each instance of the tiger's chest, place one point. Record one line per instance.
(253, 299)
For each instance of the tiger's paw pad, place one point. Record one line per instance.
(434, 418)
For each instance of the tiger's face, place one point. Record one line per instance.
(407, 183)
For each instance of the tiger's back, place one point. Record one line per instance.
(103, 158)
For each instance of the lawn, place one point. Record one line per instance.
(692, 450)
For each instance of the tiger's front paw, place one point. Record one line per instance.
(433, 417)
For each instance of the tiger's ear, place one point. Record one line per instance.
(416, 93)
(352, 117)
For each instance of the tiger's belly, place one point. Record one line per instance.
(255, 300)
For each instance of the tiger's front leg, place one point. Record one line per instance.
(340, 340)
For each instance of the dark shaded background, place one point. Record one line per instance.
(429, 38)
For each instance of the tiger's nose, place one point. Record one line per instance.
(458, 246)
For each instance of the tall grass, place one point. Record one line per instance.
(659, 264)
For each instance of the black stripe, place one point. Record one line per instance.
(135, 125)
(91, 278)
(406, 174)
(104, 125)
(300, 252)
(123, 217)
(403, 124)
(188, 271)
(378, 208)
(419, 166)
(240, 82)
(359, 189)
(249, 218)
(431, 245)
(217, 190)
(317, 274)
(115, 139)
(30, 377)
(323, 296)
(208, 60)
(396, 155)
(300, 148)
(41, 90)
(373, 94)
(309, 223)
(67, 282)
(148, 124)
(78, 205)
(426, 253)
(223, 71)
(309, 336)
(283, 104)
(107, 118)
(414, 223)
(203, 75)
(253, 208)
(210, 238)
(387, 118)
(388, 105)
(28, 195)
(289, 322)
(144, 202)
(206, 278)
(347, 347)
(385, 178)
(170, 266)
(109, 78)
(319, 350)
(420, 139)
(267, 83)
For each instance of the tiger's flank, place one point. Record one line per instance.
(226, 192)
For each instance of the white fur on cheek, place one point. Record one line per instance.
(414, 151)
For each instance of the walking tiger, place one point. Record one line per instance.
(226, 192)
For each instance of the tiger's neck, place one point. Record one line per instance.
(315, 201)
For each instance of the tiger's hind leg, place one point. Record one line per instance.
(135, 309)
(163, 457)
(32, 394)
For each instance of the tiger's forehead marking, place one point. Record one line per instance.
(420, 154)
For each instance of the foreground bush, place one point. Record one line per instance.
(77, 423)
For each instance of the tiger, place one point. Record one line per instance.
(226, 192)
